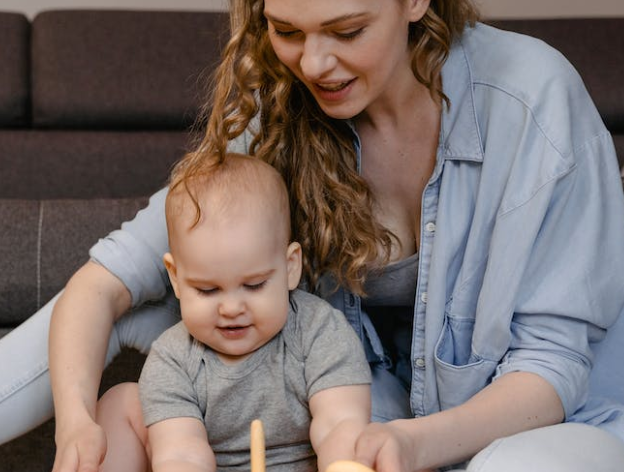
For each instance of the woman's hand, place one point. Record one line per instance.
(81, 450)
(515, 402)
(80, 328)
(387, 447)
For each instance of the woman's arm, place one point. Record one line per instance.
(339, 415)
(517, 401)
(79, 333)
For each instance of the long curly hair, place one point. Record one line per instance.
(331, 204)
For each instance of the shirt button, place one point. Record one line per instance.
(420, 362)
(423, 297)
(430, 227)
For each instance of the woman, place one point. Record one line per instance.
(457, 197)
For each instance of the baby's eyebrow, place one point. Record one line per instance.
(259, 275)
(198, 281)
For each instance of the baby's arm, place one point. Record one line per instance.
(180, 445)
(339, 415)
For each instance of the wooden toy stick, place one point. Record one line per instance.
(257, 447)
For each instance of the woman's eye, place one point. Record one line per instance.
(254, 287)
(350, 34)
(284, 34)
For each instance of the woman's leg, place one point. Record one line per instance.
(390, 398)
(25, 393)
(567, 447)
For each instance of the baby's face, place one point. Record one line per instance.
(232, 277)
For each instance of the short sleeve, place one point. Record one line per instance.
(134, 253)
(332, 352)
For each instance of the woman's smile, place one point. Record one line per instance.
(333, 92)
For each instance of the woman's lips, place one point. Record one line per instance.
(333, 92)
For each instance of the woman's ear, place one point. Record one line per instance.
(293, 260)
(417, 9)
(172, 271)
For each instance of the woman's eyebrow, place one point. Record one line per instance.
(338, 19)
(348, 16)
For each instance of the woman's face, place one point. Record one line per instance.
(351, 54)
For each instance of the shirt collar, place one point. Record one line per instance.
(459, 132)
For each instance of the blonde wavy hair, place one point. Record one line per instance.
(331, 204)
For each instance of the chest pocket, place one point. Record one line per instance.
(461, 370)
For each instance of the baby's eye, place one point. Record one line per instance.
(254, 287)
(206, 291)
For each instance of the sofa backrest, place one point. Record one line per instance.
(98, 104)
(122, 69)
(14, 67)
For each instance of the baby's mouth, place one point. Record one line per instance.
(233, 328)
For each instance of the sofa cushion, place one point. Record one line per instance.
(122, 69)
(45, 243)
(86, 164)
(595, 46)
(14, 69)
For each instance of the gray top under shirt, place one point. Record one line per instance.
(317, 349)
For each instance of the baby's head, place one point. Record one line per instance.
(231, 263)
(239, 187)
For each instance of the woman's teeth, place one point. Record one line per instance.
(334, 87)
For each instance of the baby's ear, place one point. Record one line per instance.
(293, 256)
(172, 271)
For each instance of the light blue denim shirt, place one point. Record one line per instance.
(522, 232)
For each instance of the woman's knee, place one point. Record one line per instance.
(569, 447)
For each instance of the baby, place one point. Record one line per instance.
(250, 344)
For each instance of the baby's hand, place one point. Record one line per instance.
(347, 466)
(352, 466)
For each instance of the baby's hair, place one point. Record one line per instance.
(235, 179)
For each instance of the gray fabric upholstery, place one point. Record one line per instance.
(122, 69)
(14, 70)
(84, 164)
(46, 241)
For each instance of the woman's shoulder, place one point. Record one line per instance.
(528, 83)
(514, 62)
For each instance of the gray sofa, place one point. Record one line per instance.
(96, 106)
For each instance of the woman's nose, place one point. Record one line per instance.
(317, 58)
